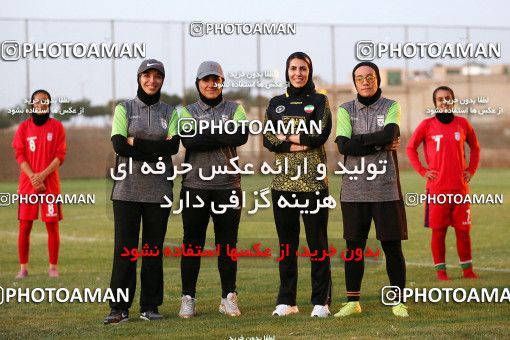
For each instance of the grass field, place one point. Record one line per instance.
(86, 257)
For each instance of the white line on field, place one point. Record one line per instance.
(95, 239)
(62, 237)
(487, 269)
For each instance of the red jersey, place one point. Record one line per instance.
(38, 146)
(444, 152)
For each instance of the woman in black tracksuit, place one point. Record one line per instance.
(301, 102)
(143, 130)
(368, 132)
(206, 149)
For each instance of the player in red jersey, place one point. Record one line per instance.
(40, 148)
(443, 137)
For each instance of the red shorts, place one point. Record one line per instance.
(440, 216)
(49, 212)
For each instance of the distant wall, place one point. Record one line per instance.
(90, 154)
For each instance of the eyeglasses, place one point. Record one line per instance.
(370, 79)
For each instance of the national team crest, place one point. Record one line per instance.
(280, 109)
(164, 125)
(457, 136)
(309, 108)
(380, 120)
(49, 136)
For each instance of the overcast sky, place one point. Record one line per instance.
(466, 12)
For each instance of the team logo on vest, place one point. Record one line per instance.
(309, 108)
(457, 136)
(224, 118)
(380, 120)
(280, 109)
(164, 125)
(50, 211)
(468, 217)
(49, 136)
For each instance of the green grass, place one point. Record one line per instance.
(86, 257)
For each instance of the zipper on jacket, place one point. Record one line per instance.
(366, 120)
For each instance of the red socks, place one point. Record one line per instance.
(53, 241)
(438, 248)
(463, 249)
(24, 241)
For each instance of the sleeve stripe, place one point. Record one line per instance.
(343, 123)
(120, 122)
(393, 115)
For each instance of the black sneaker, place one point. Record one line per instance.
(151, 315)
(116, 317)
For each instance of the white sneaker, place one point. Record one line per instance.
(320, 311)
(229, 306)
(187, 307)
(283, 310)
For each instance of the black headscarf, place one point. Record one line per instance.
(309, 87)
(211, 102)
(143, 96)
(372, 99)
(445, 118)
(40, 119)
